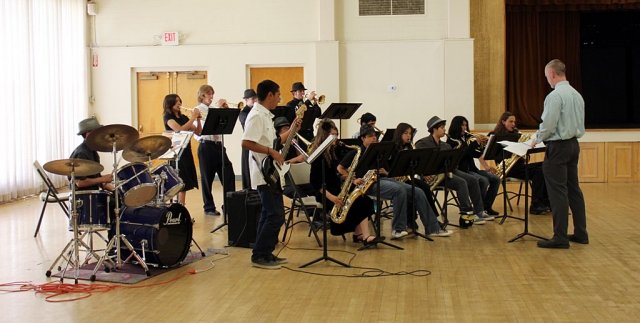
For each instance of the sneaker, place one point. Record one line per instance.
(441, 233)
(278, 260)
(211, 213)
(265, 264)
(397, 234)
(485, 216)
(478, 220)
(491, 211)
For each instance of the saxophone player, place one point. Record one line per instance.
(390, 189)
(357, 219)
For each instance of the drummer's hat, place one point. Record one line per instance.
(88, 124)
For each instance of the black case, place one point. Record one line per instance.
(244, 212)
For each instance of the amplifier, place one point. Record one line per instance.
(243, 215)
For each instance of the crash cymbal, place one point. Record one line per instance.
(81, 167)
(102, 139)
(143, 148)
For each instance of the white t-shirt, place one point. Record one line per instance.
(258, 128)
(204, 109)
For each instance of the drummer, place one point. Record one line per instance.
(96, 181)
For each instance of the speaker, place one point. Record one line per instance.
(243, 212)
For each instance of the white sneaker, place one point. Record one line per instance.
(398, 234)
(478, 220)
(441, 233)
(485, 216)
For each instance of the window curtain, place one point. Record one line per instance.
(43, 85)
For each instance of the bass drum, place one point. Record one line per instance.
(165, 230)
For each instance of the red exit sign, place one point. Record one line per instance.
(170, 38)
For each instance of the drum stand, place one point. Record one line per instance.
(118, 238)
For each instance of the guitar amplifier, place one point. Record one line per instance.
(243, 215)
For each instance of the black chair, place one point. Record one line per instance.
(51, 196)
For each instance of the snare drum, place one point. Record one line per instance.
(172, 182)
(136, 186)
(93, 209)
(165, 230)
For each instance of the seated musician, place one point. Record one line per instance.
(298, 91)
(464, 184)
(366, 118)
(539, 198)
(357, 219)
(403, 137)
(460, 138)
(399, 193)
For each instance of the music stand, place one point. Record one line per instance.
(444, 161)
(494, 151)
(280, 111)
(375, 157)
(221, 122)
(388, 135)
(526, 194)
(309, 159)
(412, 162)
(340, 111)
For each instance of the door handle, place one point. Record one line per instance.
(140, 128)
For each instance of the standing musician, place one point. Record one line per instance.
(403, 137)
(259, 138)
(211, 153)
(357, 219)
(176, 121)
(250, 98)
(464, 184)
(539, 197)
(298, 91)
(366, 118)
(460, 138)
(390, 189)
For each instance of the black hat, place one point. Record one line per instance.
(249, 93)
(297, 86)
(434, 121)
(87, 125)
(281, 122)
(366, 129)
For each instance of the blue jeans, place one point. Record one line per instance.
(271, 219)
(489, 186)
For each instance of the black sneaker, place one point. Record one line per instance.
(278, 260)
(491, 211)
(216, 213)
(265, 264)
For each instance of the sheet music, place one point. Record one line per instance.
(490, 142)
(179, 141)
(321, 148)
(519, 148)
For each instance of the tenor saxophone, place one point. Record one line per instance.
(508, 163)
(339, 213)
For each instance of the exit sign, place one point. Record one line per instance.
(170, 38)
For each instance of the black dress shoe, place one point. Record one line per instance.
(538, 209)
(553, 244)
(573, 238)
(491, 211)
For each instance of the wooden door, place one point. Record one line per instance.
(284, 76)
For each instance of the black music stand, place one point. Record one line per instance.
(221, 122)
(412, 162)
(375, 157)
(280, 111)
(526, 194)
(340, 111)
(444, 161)
(309, 159)
(388, 135)
(494, 151)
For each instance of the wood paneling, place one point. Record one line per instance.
(488, 29)
(591, 167)
(621, 161)
(284, 76)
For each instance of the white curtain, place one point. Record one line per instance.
(43, 87)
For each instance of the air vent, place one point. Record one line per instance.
(391, 7)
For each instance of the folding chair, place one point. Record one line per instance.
(452, 200)
(51, 196)
(299, 175)
(510, 194)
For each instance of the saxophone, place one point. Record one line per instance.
(339, 213)
(438, 178)
(511, 161)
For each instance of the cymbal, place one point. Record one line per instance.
(81, 167)
(143, 148)
(102, 139)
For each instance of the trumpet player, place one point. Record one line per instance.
(213, 155)
(250, 97)
(460, 138)
(313, 109)
(367, 118)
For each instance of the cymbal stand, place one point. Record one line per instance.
(118, 237)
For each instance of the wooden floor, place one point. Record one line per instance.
(476, 275)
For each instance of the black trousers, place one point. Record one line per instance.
(536, 175)
(211, 158)
(561, 169)
(244, 165)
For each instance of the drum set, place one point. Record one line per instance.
(154, 230)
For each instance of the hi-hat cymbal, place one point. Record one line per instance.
(148, 147)
(102, 139)
(81, 167)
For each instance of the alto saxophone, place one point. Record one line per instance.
(508, 163)
(339, 213)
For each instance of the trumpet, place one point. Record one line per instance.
(189, 110)
(320, 99)
(238, 105)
